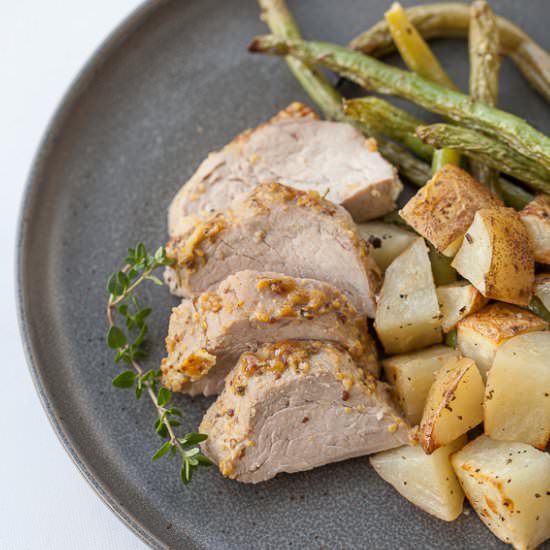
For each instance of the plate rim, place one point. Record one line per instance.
(77, 86)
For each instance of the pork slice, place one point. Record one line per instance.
(276, 228)
(293, 406)
(207, 335)
(297, 149)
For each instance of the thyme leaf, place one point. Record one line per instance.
(126, 334)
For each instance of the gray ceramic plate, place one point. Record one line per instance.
(173, 83)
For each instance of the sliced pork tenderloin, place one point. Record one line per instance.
(297, 149)
(276, 228)
(293, 406)
(207, 335)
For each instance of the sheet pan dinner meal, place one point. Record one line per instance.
(329, 323)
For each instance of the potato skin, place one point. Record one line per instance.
(479, 335)
(499, 322)
(444, 208)
(454, 404)
(511, 272)
(536, 217)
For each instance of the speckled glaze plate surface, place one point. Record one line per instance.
(171, 84)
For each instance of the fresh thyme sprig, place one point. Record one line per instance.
(126, 334)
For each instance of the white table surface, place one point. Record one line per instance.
(45, 502)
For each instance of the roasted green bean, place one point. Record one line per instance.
(387, 119)
(452, 20)
(377, 76)
(487, 150)
(483, 46)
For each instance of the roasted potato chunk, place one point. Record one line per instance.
(387, 241)
(508, 485)
(407, 316)
(479, 335)
(456, 301)
(517, 397)
(496, 256)
(454, 404)
(428, 481)
(542, 289)
(444, 208)
(411, 376)
(536, 217)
